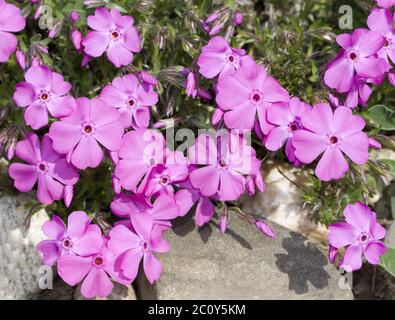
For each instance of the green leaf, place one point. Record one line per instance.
(382, 116)
(387, 261)
(391, 165)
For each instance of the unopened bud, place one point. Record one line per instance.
(217, 116)
(68, 195)
(265, 229)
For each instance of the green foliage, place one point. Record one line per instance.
(382, 116)
(387, 261)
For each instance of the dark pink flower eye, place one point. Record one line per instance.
(256, 97)
(386, 44)
(42, 167)
(115, 35)
(293, 127)
(44, 96)
(231, 58)
(98, 261)
(353, 55)
(88, 129)
(164, 180)
(333, 140)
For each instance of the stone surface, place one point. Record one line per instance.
(243, 264)
(281, 202)
(60, 291)
(119, 292)
(20, 262)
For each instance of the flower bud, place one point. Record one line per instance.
(76, 39)
(391, 78)
(265, 229)
(238, 18)
(259, 182)
(55, 30)
(214, 30)
(148, 78)
(74, 16)
(217, 116)
(116, 185)
(20, 59)
(374, 144)
(85, 60)
(11, 147)
(191, 85)
(223, 223)
(68, 195)
(332, 254)
(250, 185)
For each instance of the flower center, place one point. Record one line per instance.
(44, 96)
(386, 43)
(98, 261)
(256, 97)
(66, 243)
(144, 245)
(223, 163)
(363, 238)
(353, 55)
(131, 103)
(164, 180)
(333, 140)
(115, 35)
(293, 126)
(231, 58)
(42, 167)
(88, 128)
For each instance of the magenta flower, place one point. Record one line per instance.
(359, 93)
(332, 134)
(385, 3)
(361, 234)
(288, 119)
(218, 58)
(131, 247)
(140, 152)
(225, 161)
(96, 270)
(162, 210)
(114, 34)
(132, 99)
(44, 91)
(164, 176)
(187, 197)
(79, 238)
(11, 20)
(249, 91)
(79, 135)
(265, 229)
(45, 166)
(382, 22)
(357, 57)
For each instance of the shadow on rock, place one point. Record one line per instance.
(303, 263)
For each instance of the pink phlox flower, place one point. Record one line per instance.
(218, 58)
(79, 238)
(333, 134)
(224, 161)
(164, 176)
(288, 119)
(248, 93)
(114, 34)
(132, 98)
(11, 21)
(78, 135)
(97, 271)
(358, 56)
(44, 166)
(361, 234)
(134, 246)
(43, 91)
(140, 152)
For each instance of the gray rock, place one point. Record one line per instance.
(282, 201)
(119, 292)
(20, 262)
(243, 264)
(60, 291)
